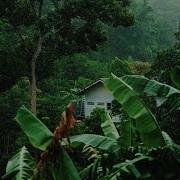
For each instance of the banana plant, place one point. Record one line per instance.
(129, 167)
(22, 166)
(161, 92)
(126, 91)
(96, 141)
(108, 126)
(145, 122)
(129, 136)
(39, 135)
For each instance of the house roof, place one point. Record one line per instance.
(99, 81)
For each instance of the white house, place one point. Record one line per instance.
(96, 95)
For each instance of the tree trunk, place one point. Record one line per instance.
(33, 73)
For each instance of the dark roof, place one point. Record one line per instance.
(101, 80)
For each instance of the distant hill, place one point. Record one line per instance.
(169, 10)
(156, 24)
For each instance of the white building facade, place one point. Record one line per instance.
(96, 95)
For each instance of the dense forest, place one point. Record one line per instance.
(50, 49)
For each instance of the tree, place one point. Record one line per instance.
(66, 27)
(120, 67)
(167, 62)
(151, 32)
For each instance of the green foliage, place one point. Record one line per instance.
(62, 167)
(164, 64)
(11, 137)
(146, 123)
(96, 141)
(51, 105)
(38, 134)
(108, 126)
(69, 171)
(55, 157)
(175, 76)
(82, 82)
(129, 135)
(80, 128)
(120, 67)
(113, 156)
(139, 67)
(79, 65)
(69, 28)
(20, 166)
(94, 121)
(161, 92)
(151, 32)
(167, 63)
(22, 22)
(165, 69)
(132, 160)
(128, 66)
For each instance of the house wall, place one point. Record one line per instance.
(96, 94)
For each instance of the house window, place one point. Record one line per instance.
(90, 103)
(100, 104)
(109, 106)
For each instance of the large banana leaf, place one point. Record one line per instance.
(20, 166)
(38, 134)
(97, 141)
(128, 135)
(142, 85)
(145, 122)
(63, 167)
(108, 126)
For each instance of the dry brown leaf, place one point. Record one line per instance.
(67, 122)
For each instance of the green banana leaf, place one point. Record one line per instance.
(64, 168)
(39, 135)
(145, 122)
(108, 126)
(96, 141)
(129, 167)
(20, 166)
(128, 136)
(169, 142)
(160, 91)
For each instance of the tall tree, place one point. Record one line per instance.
(62, 26)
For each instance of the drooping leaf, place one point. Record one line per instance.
(20, 166)
(145, 122)
(97, 141)
(141, 85)
(39, 135)
(169, 142)
(64, 168)
(129, 166)
(108, 126)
